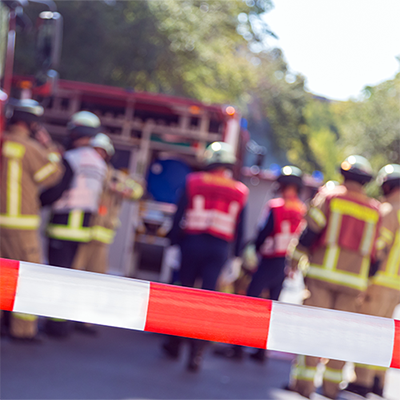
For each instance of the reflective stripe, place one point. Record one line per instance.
(389, 281)
(74, 231)
(64, 232)
(331, 257)
(390, 277)
(303, 373)
(202, 219)
(386, 234)
(317, 216)
(300, 371)
(44, 172)
(393, 263)
(340, 277)
(54, 157)
(333, 375)
(358, 211)
(13, 219)
(75, 218)
(13, 150)
(333, 228)
(368, 236)
(14, 187)
(20, 221)
(372, 367)
(102, 234)
(25, 317)
(279, 243)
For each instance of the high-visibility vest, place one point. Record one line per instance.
(350, 225)
(215, 202)
(74, 226)
(389, 274)
(288, 216)
(89, 172)
(77, 203)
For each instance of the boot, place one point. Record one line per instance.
(57, 328)
(172, 347)
(196, 355)
(259, 355)
(87, 329)
(234, 352)
(377, 388)
(357, 389)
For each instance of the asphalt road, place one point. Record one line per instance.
(125, 364)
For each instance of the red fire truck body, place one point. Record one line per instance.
(148, 130)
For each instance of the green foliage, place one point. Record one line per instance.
(190, 48)
(371, 127)
(214, 51)
(323, 136)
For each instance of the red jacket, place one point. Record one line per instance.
(287, 216)
(215, 202)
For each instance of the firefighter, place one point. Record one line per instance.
(209, 219)
(339, 239)
(383, 293)
(283, 222)
(93, 256)
(29, 163)
(74, 199)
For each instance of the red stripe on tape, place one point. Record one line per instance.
(396, 345)
(8, 283)
(208, 315)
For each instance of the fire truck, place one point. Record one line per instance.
(158, 138)
(48, 34)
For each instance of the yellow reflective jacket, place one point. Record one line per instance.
(118, 186)
(26, 168)
(388, 244)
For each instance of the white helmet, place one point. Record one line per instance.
(102, 141)
(27, 110)
(219, 154)
(83, 124)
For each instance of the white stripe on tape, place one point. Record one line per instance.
(342, 335)
(82, 296)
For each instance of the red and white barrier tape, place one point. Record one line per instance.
(127, 303)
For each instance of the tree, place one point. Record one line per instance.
(209, 50)
(190, 48)
(371, 127)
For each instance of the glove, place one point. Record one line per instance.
(231, 271)
(172, 257)
(250, 259)
(296, 258)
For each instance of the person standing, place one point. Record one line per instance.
(118, 186)
(29, 163)
(283, 222)
(74, 200)
(208, 221)
(339, 239)
(383, 293)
